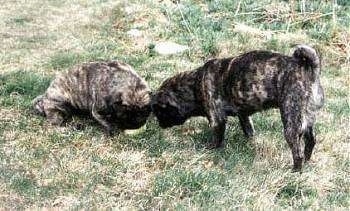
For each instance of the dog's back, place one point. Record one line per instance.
(259, 80)
(81, 86)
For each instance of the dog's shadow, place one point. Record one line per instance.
(237, 148)
(193, 136)
(150, 138)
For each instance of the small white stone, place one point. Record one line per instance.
(167, 48)
(129, 10)
(134, 33)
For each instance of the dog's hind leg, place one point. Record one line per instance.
(55, 117)
(56, 112)
(100, 118)
(310, 142)
(246, 125)
(292, 123)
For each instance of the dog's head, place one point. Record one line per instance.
(167, 109)
(132, 117)
(133, 109)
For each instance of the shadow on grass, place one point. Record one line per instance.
(151, 139)
(155, 141)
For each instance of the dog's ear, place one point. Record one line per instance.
(156, 99)
(163, 99)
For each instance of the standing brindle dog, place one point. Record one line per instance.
(244, 85)
(111, 92)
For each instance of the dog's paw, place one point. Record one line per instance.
(214, 145)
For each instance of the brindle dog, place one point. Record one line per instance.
(246, 84)
(112, 92)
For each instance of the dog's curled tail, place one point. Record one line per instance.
(308, 56)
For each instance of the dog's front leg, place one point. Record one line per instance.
(246, 125)
(214, 106)
(217, 119)
(55, 112)
(217, 125)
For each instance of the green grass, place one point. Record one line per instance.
(18, 88)
(297, 195)
(63, 60)
(42, 166)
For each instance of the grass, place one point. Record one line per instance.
(18, 88)
(62, 167)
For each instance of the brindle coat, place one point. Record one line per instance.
(246, 84)
(111, 92)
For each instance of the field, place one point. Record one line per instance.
(61, 167)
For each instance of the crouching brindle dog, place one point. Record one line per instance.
(244, 85)
(111, 92)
